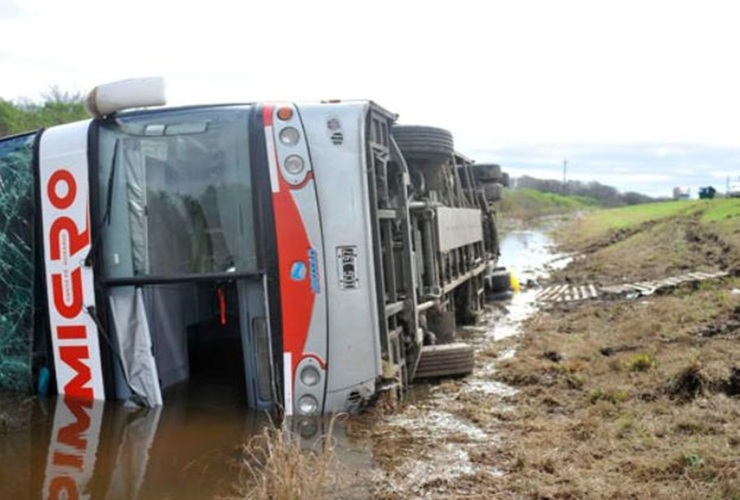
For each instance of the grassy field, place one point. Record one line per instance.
(632, 398)
(722, 215)
(530, 204)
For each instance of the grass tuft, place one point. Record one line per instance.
(280, 465)
(689, 383)
(611, 396)
(642, 362)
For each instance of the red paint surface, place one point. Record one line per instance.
(296, 296)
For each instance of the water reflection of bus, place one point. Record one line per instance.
(312, 253)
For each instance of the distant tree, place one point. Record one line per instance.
(57, 107)
(608, 196)
(11, 118)
(632, 198)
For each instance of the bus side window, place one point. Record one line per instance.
(17, 268)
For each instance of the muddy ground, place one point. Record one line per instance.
(630, 397)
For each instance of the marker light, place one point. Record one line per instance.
(308, 405)
(116, 96)
(310, 376)
(285, 113)
(294, 164)
(289, 136)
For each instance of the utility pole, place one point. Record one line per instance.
(565, 175)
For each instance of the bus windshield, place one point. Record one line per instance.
(175, 194)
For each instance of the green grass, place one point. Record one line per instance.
(720, 210)
(530, 203)
(623, 217)
(722, 213)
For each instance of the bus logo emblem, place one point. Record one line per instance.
(298, 271)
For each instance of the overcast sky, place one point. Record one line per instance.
(641, 95)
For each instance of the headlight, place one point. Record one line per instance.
(310, 376)
(294, 164)
(307, 428)
(308, 405)
(289, 136)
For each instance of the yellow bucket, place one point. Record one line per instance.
(514, 283)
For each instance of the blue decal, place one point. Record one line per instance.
(298, 271)
(313, 262)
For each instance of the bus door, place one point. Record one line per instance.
(178, 250)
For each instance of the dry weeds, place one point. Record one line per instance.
(279, 464)
(632, 398)
(615, 399)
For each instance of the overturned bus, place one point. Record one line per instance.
(318, 253)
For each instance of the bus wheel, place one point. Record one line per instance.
(506, 179)
(499, 281)
(493, 192)
(487, 172)
(445, 360)
(417, 141)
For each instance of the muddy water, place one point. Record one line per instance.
(439, 418)
(190, 447)
(529, 255)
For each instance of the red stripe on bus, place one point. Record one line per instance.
(293, 245)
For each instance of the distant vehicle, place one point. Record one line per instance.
(733, 189)
(707, 193)
(681, 193)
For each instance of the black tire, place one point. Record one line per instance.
(445, 360)
(499, 281)
(500, 296)
(493, 192)
(417, 141)
(505, 179)
(487, 172)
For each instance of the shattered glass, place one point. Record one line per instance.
(16, 262)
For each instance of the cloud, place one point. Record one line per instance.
(10, 10)
(629, 88)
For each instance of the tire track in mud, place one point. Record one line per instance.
(714, 249)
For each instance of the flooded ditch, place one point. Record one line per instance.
(191, 447)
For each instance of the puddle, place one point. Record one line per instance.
(445, 425)
(529, 256)
(80, 449)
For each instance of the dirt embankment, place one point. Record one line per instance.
(622, 398)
